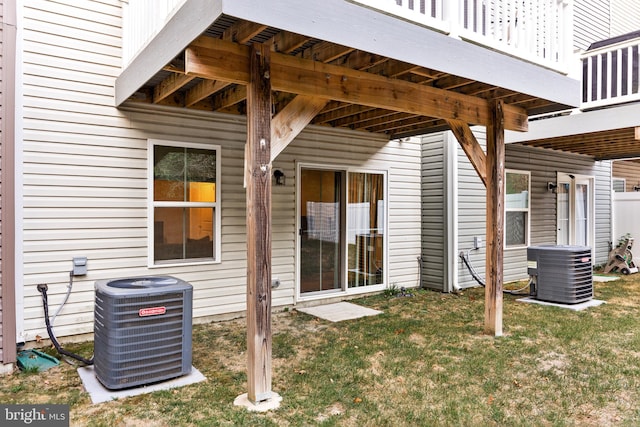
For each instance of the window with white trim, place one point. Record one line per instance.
(619, 185)
(517, 203)
(185, 202)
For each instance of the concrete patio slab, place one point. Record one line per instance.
(101, 394)
(575, 307)
(339, 311)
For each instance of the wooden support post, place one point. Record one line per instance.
(258, 175)
(495, 221)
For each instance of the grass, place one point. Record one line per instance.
(425, 361)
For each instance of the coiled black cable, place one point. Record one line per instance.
(42, 288)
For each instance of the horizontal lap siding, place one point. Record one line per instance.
(362, 151)
(471, 215)
(543, 165)
(625, 16)
(630, 171)
(85, 176)
(434, 224)
(592, 20)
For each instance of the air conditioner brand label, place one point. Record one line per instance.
(152, 311)
(585, 259)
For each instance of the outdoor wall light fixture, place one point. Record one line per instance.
(279, 177)
(552, 186)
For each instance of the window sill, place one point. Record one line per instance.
(186, 263)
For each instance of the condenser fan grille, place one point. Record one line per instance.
(562, 274)
(142, 333)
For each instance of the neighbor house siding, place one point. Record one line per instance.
(625, 16)
(472, 211)
(591, 22)
(544, 166)
(434, 211)
(85, 177)
(471, 201)
(629, 170)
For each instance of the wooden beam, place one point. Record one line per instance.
(169, 85)
(287, 42)
(243, 31)
(258, 158)
(229, 97)
(202, 90)
(637, 133)
(495, 222)
(326, 52)
(292, 120)
(240, 32)
(471, 147)
(219, 60)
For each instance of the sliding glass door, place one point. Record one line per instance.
(320, 230)
(341, 217)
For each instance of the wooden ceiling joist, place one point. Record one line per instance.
(203, 90)
(284, 42)
(170, 85)
(216, 59)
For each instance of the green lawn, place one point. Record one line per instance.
(424, 362)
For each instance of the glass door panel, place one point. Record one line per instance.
(563, 213)
(320, 230)
(582, 217)
(365, 229)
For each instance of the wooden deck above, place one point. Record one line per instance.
(340, 85)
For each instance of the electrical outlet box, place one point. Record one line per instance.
(477, 242)
(79, 266)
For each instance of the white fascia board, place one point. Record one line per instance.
(189, 22)
(349, 24)
(579, 123)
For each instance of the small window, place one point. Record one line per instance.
(619, 185)
(185, 202)
(517, 202)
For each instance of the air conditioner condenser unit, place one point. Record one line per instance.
(142, 330)
(561, 274)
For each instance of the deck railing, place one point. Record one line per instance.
(610, 74)
(535, 30)
(538, 31)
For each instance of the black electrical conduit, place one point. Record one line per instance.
(465, 258)
(42, 288)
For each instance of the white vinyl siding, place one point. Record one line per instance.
(85, 177)
(472, 211)
(625, 16)
(591, 22)
(630, 171)
(596, 20)
(434, 196)
(96, 207)
(471, 202)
